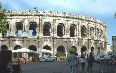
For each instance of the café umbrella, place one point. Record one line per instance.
(43, 51)
(23, 50)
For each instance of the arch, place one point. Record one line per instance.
(92, 48)
(83, 31)
(46, 29)
(60, 30)
(17, 47)
(32, 47)
(98, 31)
(83, 50)
(32, 28)
(47, 47)
(61, 49)
(92, 32)
(98, 51)
(101, 33)
(4, 47)
(8, 30)
(74, 48)
(19, 28)
(72, 30)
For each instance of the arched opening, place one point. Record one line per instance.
(46, 29)
(101, 34)
(17, 47)
(92, 49)
(72, 30)
(4, 47)
(83, 31)
(32, 47)
(98, 32)
(60, 51)
(83, 50)
(47, 47)
(19, 28)
(98, 51)
(92, 32)
(8, 30)
(60, 30)
(74, 49)
(32, 28)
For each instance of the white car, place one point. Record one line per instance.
(46, 58)
(99, 58)
(107, 57)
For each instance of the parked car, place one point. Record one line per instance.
(98, 58)
(107, 56)
(46, 58)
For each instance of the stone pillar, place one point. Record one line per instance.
(79, 30)
(12, 26)
(25, 28)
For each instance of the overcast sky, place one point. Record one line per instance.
(100, 9)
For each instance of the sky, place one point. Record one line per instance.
(103, 10)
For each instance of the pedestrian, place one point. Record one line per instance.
(82, 62)
(5, 61)
(77, 63)
(90, 60)
(72, 61)
(16, 68)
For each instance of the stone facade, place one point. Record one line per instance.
(55, 31)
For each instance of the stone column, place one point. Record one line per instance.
(37, 28)
(12, 26)
(25, 28)
(79, 30)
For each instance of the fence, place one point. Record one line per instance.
(108, 66)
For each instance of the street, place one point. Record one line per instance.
(52, 67)
(46, 67)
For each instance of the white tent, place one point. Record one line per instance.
(43, 51)
(24, 50)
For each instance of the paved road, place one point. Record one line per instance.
(46, 67)
(52, 67)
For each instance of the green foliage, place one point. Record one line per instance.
(60, 54)
(3, 26)
(71, 49)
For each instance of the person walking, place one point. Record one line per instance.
(72, 61)
(90, 60)
(5, 60)
(77, 63)
(16, 68)
(82, 62)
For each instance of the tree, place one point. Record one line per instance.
(3, 25)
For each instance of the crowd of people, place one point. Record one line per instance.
(75, 62)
